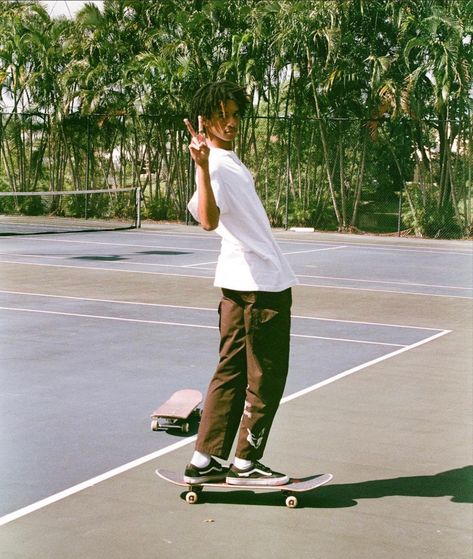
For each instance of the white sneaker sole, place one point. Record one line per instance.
(263, 482)
(199, 480)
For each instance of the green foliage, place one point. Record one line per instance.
(159, 209)
(422, 213)
(351, 100)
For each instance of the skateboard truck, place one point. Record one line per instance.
(178, 412)
(194, 491)
(166, 424)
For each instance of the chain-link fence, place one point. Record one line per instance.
(382, 176)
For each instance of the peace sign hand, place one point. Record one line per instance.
(198, 146)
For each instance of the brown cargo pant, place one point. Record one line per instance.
(246, 389)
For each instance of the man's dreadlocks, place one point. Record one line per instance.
(207, 100)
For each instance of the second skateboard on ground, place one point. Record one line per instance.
(177, 412)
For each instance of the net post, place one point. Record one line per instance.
(138, 207)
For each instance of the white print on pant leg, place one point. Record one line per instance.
(255, 441)
(247, 409)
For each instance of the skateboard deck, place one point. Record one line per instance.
(288, 490)
(176, 412)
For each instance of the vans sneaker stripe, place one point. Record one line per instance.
(203, 472)
(255, 471)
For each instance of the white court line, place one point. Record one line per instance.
(315, 250)
(201, 264)
(171, 448)
(103, 269)
(26, 255)
(389, 325)
(209, 309)
(116, 318)
(207, 236)
(200, 234)
(112, 301)
(284, 240)
(346, 340)
(198, 264)
(417, 293)
(100, 269)
(362, 366)
(386, 247)
(94, 481)
(125, 262)
(408, 283)
(102, 243)
(187, 325)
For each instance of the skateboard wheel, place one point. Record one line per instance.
(185, 427)
(291, 502)
(155, 425)
(191, 497)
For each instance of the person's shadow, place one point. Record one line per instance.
(457, 484)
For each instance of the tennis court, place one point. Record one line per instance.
(97, 329)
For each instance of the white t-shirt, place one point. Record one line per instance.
(250, 259)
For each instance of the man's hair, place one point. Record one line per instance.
(207, 100)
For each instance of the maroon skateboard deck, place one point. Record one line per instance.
(177, 412)
(288, 490)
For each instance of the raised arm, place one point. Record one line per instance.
(208, 210)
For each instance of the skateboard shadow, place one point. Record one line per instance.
(457, 484)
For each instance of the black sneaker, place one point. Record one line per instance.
(256, 474)
(213, 472)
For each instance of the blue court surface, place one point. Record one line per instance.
(98, 329)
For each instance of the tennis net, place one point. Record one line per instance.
(27, 213)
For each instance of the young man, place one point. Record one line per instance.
(245, 391)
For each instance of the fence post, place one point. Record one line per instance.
(399, 213)
(288, 174)
(138, 207)
(87, 167)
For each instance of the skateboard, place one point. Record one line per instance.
(177, 412)
(288, 490)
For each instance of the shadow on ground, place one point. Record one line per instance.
(456, 484)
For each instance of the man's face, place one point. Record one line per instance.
(223, 126)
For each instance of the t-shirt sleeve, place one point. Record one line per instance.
(218, 189)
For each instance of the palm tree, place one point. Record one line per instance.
(438, 83)
(27, 69)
